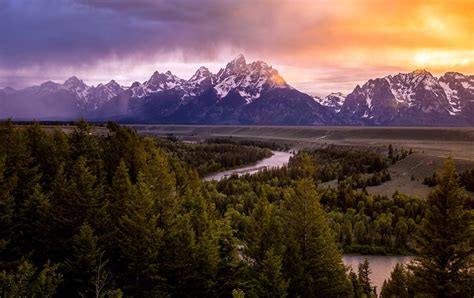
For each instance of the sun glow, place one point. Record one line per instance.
(436, 58)
(277, 79)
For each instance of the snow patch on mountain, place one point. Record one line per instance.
(248, 80)
(334, 101)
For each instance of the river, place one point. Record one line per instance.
(381, 266)
(277, 160)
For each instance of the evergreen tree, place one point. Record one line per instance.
(162, 186)
(390, 152)
(230, 269)
(270, 281)
(84, 196)
(444, 263)
(364, 277)
(121, 192)
(87, 269)
(313, 261)
(7, 208)
(265, 230)
(397, 284)
(357, 289)
(32, 223)
(84, 145)
(27, 281)
(140, 240)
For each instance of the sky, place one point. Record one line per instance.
(318, 46)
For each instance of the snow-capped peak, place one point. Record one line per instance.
(201, 74)
(238, 62)
(109, 90)
(454, 76)
(236, 66)
(248, 80)
(334, 101)
(162, 81)
(113, 84)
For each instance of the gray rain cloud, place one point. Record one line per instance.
(56, 33)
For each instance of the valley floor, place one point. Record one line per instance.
(431, 146)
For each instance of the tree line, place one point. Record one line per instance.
(214, 156)
(466, 179)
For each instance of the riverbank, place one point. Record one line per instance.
(278, 159)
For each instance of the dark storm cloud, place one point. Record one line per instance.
(55, 32)
(66, 33)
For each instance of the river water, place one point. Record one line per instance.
(381, 266)
(277, 160)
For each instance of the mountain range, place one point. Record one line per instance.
(249, 93)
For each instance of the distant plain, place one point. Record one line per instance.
(431, 145)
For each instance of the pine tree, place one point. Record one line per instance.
(443, 267)
(125, 144)
(40, 146)
(32, 223)
(364, 277)
(230, 269)
(87, 268)
(397, 284)
(265, 230)
(84, 145)
(390, 152)
(313, 261)
(140, 241)
(27, 281)
(162, 186)
(357, 290)
(84, 196)
(120, 192)
(270, 281)
(7, 208)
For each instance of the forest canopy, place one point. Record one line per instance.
(121, 214)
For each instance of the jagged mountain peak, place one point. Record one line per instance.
(247, 92)
(160, 76)
(236, 66)
(259, 64)
(421, 72)
(200, 74)
(456, 76)
(74, 82)
(112, 83)
(49, 84)
(163, 81)
(239, 60)
(407, 96)
(333, 101)
(248, 80)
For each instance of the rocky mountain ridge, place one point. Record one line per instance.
(250, 93)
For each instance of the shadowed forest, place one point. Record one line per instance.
(121, 214)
